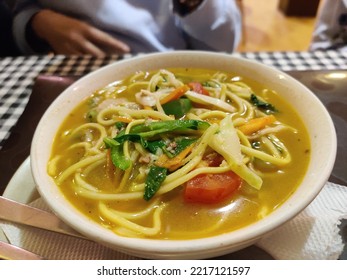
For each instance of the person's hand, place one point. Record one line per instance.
(67, 35)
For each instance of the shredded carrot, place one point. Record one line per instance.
(256, 124)
(175, 94)
(122, 119)
(175, 162)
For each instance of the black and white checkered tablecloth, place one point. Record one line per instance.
(17, 74)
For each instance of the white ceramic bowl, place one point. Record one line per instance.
(313, 113)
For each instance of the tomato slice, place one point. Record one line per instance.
(211, 188)
(198, 88)
(213, 159)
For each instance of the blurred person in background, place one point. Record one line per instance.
(331, 26)
(101, 27)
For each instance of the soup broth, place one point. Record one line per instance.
(180, 154)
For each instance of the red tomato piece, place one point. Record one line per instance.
(198, 88)
(211, 188)
(213, 159)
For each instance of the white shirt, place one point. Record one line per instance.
(145, 25)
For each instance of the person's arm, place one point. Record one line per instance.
(42, 28)
(22, 11)
(212, 25)
(67, 35)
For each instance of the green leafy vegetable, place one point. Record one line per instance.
(110, 142)
(117, 155)
(141, 133)
(267, 107)
(133, 138)
(152, 128)
(154, 146)
(118, 158)
(155, 178)
(170, 148)
(120, 125)
(179, 145)
(178, 107)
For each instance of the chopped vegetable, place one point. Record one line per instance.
(152, 128)
(198, 88)
(137, 138)
(256, 124)
(123, 119)
(120, 125)
(178, 107)
(170, 148)
(155, 178)
(117, 155)
(178, 145)
(140, 134)
(154, 146)
(118, 158)
(227, 144)
(211, 188)
(175, 94)
(267, 107)
(175, 162)
(208, 100)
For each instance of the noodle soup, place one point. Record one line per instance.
(180, 154)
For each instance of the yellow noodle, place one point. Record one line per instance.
(52, 165)
(100, 128)
(266, 157)
(139, 214)
(73, 168)
(245, 108)
(140, 114)
(92, 166)
(213, 114)
(104, 196)
(148, 231)
(184, 178)
(83, 184)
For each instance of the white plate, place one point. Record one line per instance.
(21, 188)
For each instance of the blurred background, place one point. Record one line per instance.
(276, 25)
(271, 25)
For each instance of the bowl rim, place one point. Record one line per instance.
(240, 236)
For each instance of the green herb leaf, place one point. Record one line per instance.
(267, 107)
(120, 125)
(154, 146)
(178, 107)
(133, 138)
(117, 155)
(155, 127)
(155, 178)
(118, 158)
(110, 142)
(180, 144)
